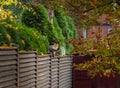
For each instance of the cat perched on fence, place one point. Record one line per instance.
(62, 51)
(53, 49)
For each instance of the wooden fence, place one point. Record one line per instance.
(29, 70)
(8, 68)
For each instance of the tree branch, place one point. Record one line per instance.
(92, 8)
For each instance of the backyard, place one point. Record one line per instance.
(59, 44)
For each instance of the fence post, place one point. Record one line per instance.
(18, 71)
(36, 70)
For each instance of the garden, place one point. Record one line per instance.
(30, 29)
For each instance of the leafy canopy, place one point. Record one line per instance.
(87, 11)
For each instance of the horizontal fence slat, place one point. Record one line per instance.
(9, 83)
(8, 52)
(11, 62)
(27, 78)
(8, 78)
(27, 55)
(43, 70)
(27, 73)
(31, 85)
(27, 64)
(7, 68)
(42, 85)
(9, 57)
(12, 86)
(27, 60)
(43, 66)
(43, 59)
(27, 69)
(7, 73)
(27, 82)
(46, 86)
(44, 62)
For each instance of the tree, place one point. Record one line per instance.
(86, 12)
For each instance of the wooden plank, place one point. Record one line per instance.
(5, 63)
(63, 65)
(27, 60)
(8, 78)
(65, 73)
(27, 82)
(8, 52)
(43, 70)
(68, 58)
(46, 86)
(44, 77)
(65, 76)
(54, 70)
(8, 83)
(43, 66)
(64, 70)
(42, 85)
(65, 86)
(27, 55)
(7, 73)
(22, 79)
(27, 64)
(54, 66)
(54, 60)
(27, 69)
(12, 86)
(43, 59)
(27, 73)
(44, 74)
(54, 63)
(8, 57)
(6, 68)
(31, 85)
(54, 84)
(43, 62)
(66, 82)
(44, 80)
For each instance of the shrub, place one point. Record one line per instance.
(36, 17)
(32, 39)
(68, 28)
(5, 37)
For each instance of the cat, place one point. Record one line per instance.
(62, 50)
(53, 49)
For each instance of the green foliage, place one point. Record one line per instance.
(32, 39)
(58, 31)
(61, 19)
(36, 17)
(5, 38)
(38, 32)
(68, 28)
(72, 28)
